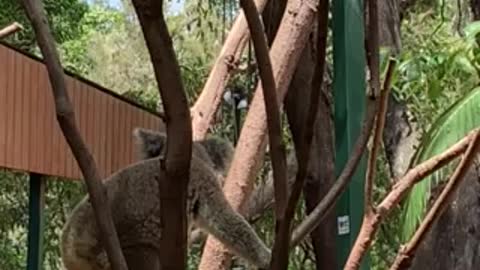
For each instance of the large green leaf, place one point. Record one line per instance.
(462, 117)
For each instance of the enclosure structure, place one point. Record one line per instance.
(349, 99)
(31, 139)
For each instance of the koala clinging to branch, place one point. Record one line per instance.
(133, 197)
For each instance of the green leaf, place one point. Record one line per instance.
(459, 119)
(472, 30)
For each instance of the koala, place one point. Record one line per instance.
(132, 195)
(215, 151)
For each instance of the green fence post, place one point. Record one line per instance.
(35, 221)
(349, 93)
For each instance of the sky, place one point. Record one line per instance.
(175, 5)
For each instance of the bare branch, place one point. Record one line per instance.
(373, 55)
(210, 98)
(66, 120)
(8, 30)
(271, 105)
(371, 223)
(407, 253)
(377, 136)
(176, 167)
(327, 203)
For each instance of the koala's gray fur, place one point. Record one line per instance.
(133, 197)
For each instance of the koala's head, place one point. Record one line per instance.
(149, 143)
(220, 152)
(214, 150)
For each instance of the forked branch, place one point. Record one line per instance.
(66, 120)
(327, 203)
(211, 96)
(393, 198)
(407, 253)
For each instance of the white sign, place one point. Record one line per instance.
(343, 225)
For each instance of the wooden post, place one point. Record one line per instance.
(35, 221)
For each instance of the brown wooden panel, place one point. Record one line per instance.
(115, 139)
(109, 134)
(129, 139)
(25, 119)
(102, 134)
(3, 105)
(18, 112)
(120, 145)
(32, 116)
(43, 142)
(9, 96)
(30, 138)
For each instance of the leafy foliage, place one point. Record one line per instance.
(451, 126)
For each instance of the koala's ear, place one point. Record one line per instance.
(149, 143)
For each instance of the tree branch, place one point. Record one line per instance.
(210, 98)
(373, 61)
(327, 203)
(407, 253)
(66, 120)
(8, 30)
(176, 167)
(271, 105)
(401, 188)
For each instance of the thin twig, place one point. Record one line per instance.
(327, 203)
(377, 136)
(370, 225)
(11, 29)
(407, 253)
(66, 120)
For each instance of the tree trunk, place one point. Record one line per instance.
(475, 7)
(320, 175)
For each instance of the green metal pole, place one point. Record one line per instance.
(349, 93)
(35, 223)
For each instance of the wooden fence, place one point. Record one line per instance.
(30, 137)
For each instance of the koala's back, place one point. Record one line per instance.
(133, 199)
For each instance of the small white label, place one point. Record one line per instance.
(343, 224)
